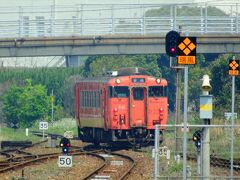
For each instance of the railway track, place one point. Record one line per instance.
(21, 158)
(220, 162)
(116, 166)
(40, 134)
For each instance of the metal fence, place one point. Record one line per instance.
(102, 19)
(169, 157)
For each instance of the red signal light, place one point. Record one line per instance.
(68, 144)
(172, 50)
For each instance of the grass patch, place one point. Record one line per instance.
(58, 127)
(16, 135)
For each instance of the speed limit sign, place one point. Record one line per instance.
(43, 125)
(64, 161)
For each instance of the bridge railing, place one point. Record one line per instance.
(114, 19)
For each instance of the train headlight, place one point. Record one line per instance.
(118, 81)
(158, 80)
(115, 109)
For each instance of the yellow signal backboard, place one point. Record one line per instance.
(233, 67)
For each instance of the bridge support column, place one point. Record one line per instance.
(74, 61)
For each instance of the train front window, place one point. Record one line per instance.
(119, 92)
(138, 93)
(157, 91)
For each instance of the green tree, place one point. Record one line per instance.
(107, 63)
(51, 78)
(26, 104)
(194, 83)
(221, 84)
(11, 104)
(185, 11)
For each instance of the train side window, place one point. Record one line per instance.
(87, 99)
(94, 99)
(98, 98)
(90, 98)
(81, 99)
(138, 93)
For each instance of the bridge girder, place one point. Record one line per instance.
(109, 45)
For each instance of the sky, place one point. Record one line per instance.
(69, 2)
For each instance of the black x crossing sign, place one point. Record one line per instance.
(187, 50)
(233, 67)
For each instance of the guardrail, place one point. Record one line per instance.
(116, 19)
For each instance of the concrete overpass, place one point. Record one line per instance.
(109, 45)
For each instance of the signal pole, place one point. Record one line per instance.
(232, 119)
(178, 112)
(172, 44)
(185, 122)
(206, 115)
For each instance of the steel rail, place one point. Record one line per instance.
(219, 162)
(128, 171)
(42, 157)
(103, 165)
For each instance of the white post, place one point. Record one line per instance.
(43, 135)
(156, 149)
(26, 131)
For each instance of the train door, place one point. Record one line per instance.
(138, 106)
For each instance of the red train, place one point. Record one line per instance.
(122, 108)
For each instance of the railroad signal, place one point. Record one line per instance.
(171, 43)
(65, 145)
(197, 135)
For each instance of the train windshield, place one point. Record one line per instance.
(119, 91)
(157, 91)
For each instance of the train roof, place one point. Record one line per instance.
(121, 73)
(112, 78)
